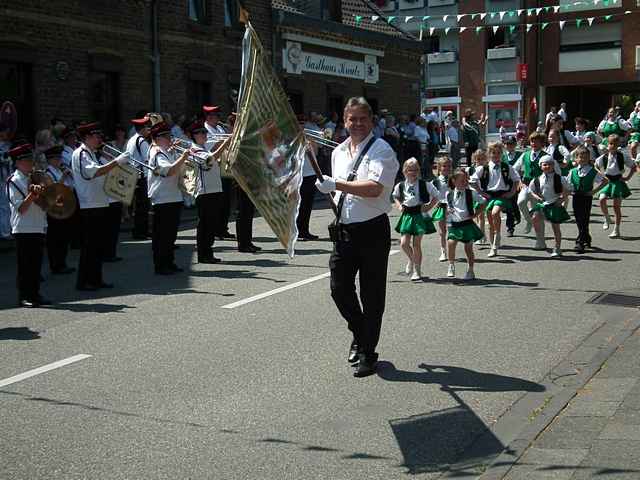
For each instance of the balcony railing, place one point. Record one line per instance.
(501, 70)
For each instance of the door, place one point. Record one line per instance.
(16, 87)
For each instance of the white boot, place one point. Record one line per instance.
(443, 255)
(616, 231)
(497, 240)
(606, 223)
(409, 268)
(417, 274)
(451, 272)
(540, 243)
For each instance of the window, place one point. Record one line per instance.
(513, 89)
(198, 11)
(573, 6)
(502, 114)
(432, 44)
(596, 48)
(231, 13)
(198, 94)
(104, 98)
(442, 92)
(501, 38)
(296, 100)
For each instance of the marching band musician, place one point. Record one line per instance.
(28, 224)
(209, 197)
(166, 199)
(114, 220)
(214, 127)
(138, 149)
(58, 231)
(88, 174)
(70, 139)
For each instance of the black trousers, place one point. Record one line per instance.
(244, 222)
(29, 251)
(209, 207)
(94, 237)
(513, 215)
(75, 227)
(222, 226)
(468, 151)
(366, 252)
(307, 193)
(141, 207)
(582, 211)
(114, 219)
(166, 219)
(59, 235)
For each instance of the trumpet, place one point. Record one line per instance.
(320, 138)
(217, 137)
(198, 157)
(112, 152)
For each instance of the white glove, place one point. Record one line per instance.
(548, 203)
(327, 185)
(123, 159)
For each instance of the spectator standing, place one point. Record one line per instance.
(453, 140)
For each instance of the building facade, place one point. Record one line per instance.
(323, 58)
(106, 60)
(507, 69)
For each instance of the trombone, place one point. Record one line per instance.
(320, 138)
(113, 152)
(198, 157)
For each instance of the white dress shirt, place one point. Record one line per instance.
(67, 155)
(457, 211)
(138, 149)
(442, 186)
(89, 188)
(211, 130)
(611, 167)
(379, 164)
(307, 169)
(411, 194)
(547, 189)
(563, 114)
(496, 182)
(56, 175)
(209, 180)
(34, 220)
(162, 188)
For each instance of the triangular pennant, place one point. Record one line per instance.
(482, 15)
(478, 30)
(426, 17)
(444, 18)
(421, 32)
(502, 14)
(459, 17)
(431, 31)
(519, 11)
(462, 29)
(627, 12)
(358, 19)
(538, 10)
(391, 18)
(496, 28)
(512, 13)
(512, 28)
(545, 25)
(590, 20)
(493, 14)
(561, 23)
(556, 9)
(473, 16)
(530, 11)
(607, 17)
(596, 2)
(408, 19)
(578, 22)
(374, 18)
(548, 9)
(529, 27)
(446, 30)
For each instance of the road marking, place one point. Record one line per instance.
(43, 369)
(260, 296)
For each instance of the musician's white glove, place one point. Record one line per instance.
(327, 185)
(123, 158)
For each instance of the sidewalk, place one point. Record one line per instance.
(597, 434)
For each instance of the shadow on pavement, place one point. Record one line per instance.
(18, 333)
(453, 439)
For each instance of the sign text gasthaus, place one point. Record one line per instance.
(296, 61)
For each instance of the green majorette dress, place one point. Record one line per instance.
(465, 231)
(611, 128)
(555, 212)
(616, 188)
(496, 197)
(413, 221)
(635, 126)
(440, 212)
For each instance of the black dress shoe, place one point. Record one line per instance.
(256, 248)
(63, 271)
(579, 248)
(28, 304)
(209, 260)
(141, 237)
(308, 236)
(44, 301)
(366, 365)
(87, 287)
(353, 353)
(112, 259)
(226, 236)
(106, 285)
(248, 249)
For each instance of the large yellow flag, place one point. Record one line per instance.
(267, 147)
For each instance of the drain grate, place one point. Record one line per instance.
(616, 299)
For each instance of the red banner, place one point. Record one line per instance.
(523, 72)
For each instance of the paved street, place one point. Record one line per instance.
(178, 387)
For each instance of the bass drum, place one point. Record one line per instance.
(188, 180)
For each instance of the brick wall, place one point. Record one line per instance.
(472, 56)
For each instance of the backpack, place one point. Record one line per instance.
(504, 170)
(423, 193)
(468, 200)
(557, 184)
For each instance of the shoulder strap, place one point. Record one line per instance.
(139, 140)
(557, 183)
(620, 161)
(469, 199)
(11, 182)
(423, 191)
(353, 175)
(450, 198)
(401, 191)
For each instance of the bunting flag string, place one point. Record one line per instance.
(530, 12)
(528, 26)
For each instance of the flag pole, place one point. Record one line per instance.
(311, 156)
